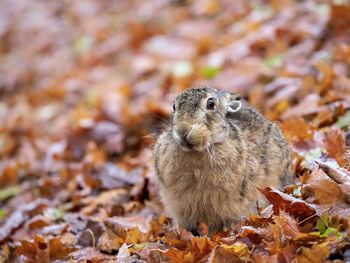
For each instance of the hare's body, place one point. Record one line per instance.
(215, 179)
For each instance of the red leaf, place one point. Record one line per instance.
(281, 201)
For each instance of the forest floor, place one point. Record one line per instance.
(86, 86)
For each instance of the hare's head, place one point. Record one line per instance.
(200, 117)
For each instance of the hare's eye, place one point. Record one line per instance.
(210, 104)
(174, 107)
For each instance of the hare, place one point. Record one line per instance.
(214, 156)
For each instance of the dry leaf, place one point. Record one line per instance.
(283, 202)
(334, 143)
(317, 253)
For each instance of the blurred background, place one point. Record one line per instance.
(85, 87)
(107, 66)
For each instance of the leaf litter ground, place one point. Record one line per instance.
(87, 85)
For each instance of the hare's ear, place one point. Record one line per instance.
(234, 106)
(234, 103)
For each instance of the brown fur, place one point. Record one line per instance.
(231, 154)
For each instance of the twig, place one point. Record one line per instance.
(316, 214)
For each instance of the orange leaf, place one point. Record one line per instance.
(297, 129)
(334, 143)
(315, 254)
(327, 75)
(175, 255)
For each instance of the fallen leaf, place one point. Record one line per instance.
(22, 214)
(142, 223)
(325, 191)
(173, 254)
(90, 254)
(317, 253)
(123, 253)
(326, 76)
(283, 202)
(288, 225)
(226, 254)
(110, 242)
(334, 143)
(297, 129)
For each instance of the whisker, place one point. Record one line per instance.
(214, 157)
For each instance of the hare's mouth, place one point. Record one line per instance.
(188, 145)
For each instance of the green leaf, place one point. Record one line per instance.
(324, 229)
(9, 192)
(328, 231)
(321, 225)
(344, 121)
(339, 235)
(275, 61)
(2, 213)
(210, 72)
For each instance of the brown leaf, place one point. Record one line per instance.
(297, 129)
(17, 218)
(317, 253)
(326, 76)
(334, 143)
(140, 222)
(38, 221)
(90, 255)
(200, 243)
(288, 225)
(227, 254)
(281, 201)
(339, 17)
(325, 191)
(60, 247)
(9, 174)
(253, 234)
(109, 242)
(112, 197)
(34, 250)
(173, 254)
(308, 105)
(42, 250)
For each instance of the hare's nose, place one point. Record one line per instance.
(181, 135)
